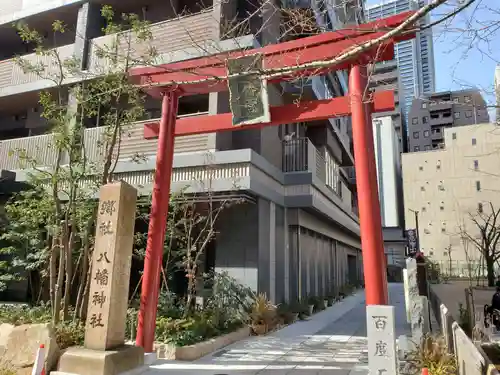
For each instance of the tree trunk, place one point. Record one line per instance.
(69, 273)
(491, 271)
(83, 280)
(53, 272)
(60, 280)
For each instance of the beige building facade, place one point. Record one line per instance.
(448, 188)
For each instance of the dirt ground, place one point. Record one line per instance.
(453, 293)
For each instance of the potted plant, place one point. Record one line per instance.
(286, 314)
(325, 302)
(311, 303)
(330, 300)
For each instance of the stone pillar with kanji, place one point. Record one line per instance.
(104, 349)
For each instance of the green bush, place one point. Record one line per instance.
(67, 333)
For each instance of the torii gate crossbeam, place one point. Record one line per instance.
(206, 74)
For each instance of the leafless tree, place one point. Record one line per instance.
(485, 235)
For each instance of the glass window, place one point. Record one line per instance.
(425, 119)
(424, 105)
(457, 114)
(416, 135)
(427, 147)
(427, 133)
(480, 207)
(453, 135)
(422, 188)
(414, 120)
(416, 148)
(476, 164)
(468, 113)
(478, 185)
(455, 100)
(467, 98)
(474, 141)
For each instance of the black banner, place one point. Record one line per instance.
(412, 241)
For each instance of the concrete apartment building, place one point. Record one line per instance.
(415, 58)
(449, 186)
(297, 232)
(431, 114)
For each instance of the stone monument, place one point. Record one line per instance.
(381, 333)
(105, 352)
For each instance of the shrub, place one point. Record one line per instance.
(300, 308)
(69, 334)
(432, 354)
(264, 315)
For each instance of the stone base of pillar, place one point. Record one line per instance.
(82, 361)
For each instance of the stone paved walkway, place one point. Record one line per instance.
(331, 342)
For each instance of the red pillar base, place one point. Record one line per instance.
(367, 187)
(157, 223)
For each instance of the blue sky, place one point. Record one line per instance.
(464, 58)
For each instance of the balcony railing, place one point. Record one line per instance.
(133, 146)
(300, 155)
(11, 74)
(189, 32)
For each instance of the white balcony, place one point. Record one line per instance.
(14, 80)
(133, 146)
(190, 35)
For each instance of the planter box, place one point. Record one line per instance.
(192, 352)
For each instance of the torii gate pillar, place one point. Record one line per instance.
(372, 243)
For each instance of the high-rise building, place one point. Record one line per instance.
(385, 76)
(431, 114)
(452, 190)
(415, 58)
(295, 231)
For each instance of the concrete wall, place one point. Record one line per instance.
(256, 246)
(450, 185)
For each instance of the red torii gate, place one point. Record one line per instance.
(202, 75)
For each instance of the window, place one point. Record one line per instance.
(427, 133)
(427, 147)
(453, 135)
(467, 99)
(425, 119)
(478, 185)
(414, 120)
(480, 208)
(457, 114)
(468, 113)
(455, 100)
(443, 230)
(416, 135)
(416, 148)
(476, 165)
(438, 167)
(474, 141)
(427, 231)
(424, 105)
(431, 253)
(424, 209)
(422, 188)
(441, 208)
(421, 168)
